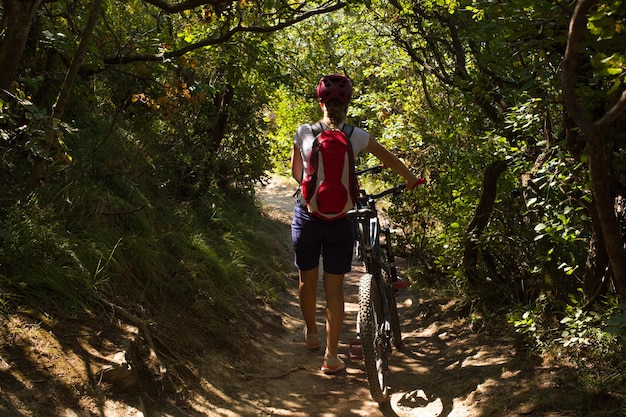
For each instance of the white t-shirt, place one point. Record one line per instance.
(304, 138)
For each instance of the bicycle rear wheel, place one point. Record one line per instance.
(375, 353)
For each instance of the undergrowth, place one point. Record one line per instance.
(582, 341)
(52, 261)
(118, 227)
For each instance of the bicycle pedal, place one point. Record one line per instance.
(400, 284)
(356, 350)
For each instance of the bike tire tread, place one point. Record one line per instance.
(376, 378)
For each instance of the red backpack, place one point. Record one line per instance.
(330, 187)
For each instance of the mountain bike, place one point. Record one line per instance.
(378, 325)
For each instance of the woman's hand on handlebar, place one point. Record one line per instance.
(412, 185)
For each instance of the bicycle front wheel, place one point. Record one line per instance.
(390, 275)
(393, 316)
(371, 319)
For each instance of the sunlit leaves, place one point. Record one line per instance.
(449, 5)
(612, 67)
(526, 116)
(477, 14)
(607, 21)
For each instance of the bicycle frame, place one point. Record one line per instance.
(377, 322)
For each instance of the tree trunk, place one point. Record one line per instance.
(605, 204)
(594, 139)
(478, 224)
(19, 15)
(597, 261)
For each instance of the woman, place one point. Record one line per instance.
(332, 239)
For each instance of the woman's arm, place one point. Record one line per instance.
(392, 161)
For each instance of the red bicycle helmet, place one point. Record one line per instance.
(334, 86)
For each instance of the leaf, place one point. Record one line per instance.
(606, 72)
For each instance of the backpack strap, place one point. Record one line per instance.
(317, 129)
(354, 184)
(347, 130)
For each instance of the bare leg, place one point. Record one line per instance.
(333, 286)
(307, 293)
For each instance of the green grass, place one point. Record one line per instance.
(92, 245)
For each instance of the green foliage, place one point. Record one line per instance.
(40, 261)
(577, 336)
(120, 224)
(609, 62)
(584, 329)
(286, 114)
(528, 322)
(212, 258)
(616, 325)
(579, 333)
(23, 129)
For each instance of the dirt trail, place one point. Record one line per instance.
(446, 369)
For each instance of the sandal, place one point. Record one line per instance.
(311, 340)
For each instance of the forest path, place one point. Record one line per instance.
(447, 368)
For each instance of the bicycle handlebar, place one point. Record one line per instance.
(393, 190)
(372, 170)
(397, 189)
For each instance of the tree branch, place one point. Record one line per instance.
(613, 113)
(183, 5)
(570, 62)
(121, 60)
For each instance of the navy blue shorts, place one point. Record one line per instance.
(332, 239)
